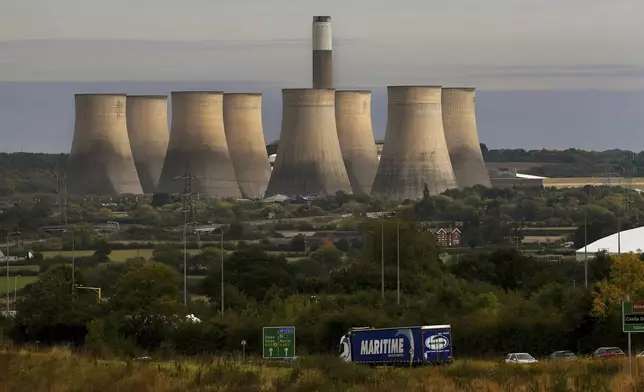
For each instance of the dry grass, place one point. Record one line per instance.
(59, 370)
(116, 255)
(576, 182)
(540, 239)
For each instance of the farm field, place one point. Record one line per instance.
(29, 371)
(3, 269)
(538, 239)
(21, 281)
(116, 255)
(578, 182)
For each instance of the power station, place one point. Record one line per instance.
(197, 147)
(308, 160)
(415, 155)
(353, 121)
(147, 127)
(322, 52)
(461, 135)
(246, 145)
(216, 146)
(100, 161)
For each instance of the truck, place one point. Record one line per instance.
(409, 346)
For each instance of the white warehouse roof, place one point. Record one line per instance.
(520, 175)
(630, 241)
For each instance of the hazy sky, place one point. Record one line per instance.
(493, 44)
(583, 53)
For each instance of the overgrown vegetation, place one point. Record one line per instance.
(62, 371)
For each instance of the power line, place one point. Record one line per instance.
(187, 199)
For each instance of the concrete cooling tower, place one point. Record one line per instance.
(308, 159)
(415, 152)
(322, 58)
(245, 138)
(198, 145)
(147, 126)
(100, 161)
(353, 120)
(461, 135)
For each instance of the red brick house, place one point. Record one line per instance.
(447, 237)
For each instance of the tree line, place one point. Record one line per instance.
(35, 173)
(496, 302)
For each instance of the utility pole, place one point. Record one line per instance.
(189, 218)
(398, 259)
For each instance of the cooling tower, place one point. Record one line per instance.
(100, 161)
(147, 126)
(198, 146)
(245, 137)
(461, 135)
(322, 58)
(353, 120)
(308, 159)
(415, 152)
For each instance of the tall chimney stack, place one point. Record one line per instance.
(322, 58)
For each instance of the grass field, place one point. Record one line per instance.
(22, 281)
(577, 182)
(62, 371)
(117, 255)
(19, 267)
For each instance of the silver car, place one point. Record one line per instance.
(520, 358)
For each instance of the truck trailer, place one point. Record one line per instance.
(410, 346)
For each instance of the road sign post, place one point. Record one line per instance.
(278, 342)
(632, 321)
(633, 316)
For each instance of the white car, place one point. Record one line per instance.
(640, 354)
(520, 358)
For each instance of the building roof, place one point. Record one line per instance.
(521, 175)
(630, 241)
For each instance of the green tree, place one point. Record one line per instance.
(253, 272)
(148, 300)
(298, 243)
(52, 311)
(329, 256)
(102, 251)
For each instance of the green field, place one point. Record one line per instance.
(117, 255)
(3, 270)
(22, 281)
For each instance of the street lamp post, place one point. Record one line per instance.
(619, 236)
(185, 265)
(221, 245)
(73, 260)
(97, 290)
(585, 249)
(8, 254)
(382, 258)
(15, 288)
(397, 257)
(585, 246)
